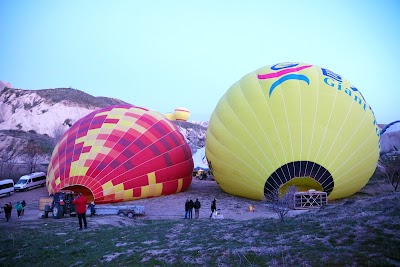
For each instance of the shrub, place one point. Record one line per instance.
(391, 170)
(281, 204)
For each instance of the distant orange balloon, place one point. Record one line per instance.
(181, 114)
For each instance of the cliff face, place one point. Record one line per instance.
(46, 111)
(46, 114)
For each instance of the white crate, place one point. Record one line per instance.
(217, 215)
(310, 200)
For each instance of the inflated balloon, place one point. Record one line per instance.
(170, 116)
(181, 114)
(391, 127)
(390, 138)
(292, 124)
(121, 153)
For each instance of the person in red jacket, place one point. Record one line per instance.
(80, 203)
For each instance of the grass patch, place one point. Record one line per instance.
(363, 232)
(203, 243)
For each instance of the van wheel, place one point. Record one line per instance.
(26, 189)
(42, 185)
(58, 211)
(130, 214)
(121, 213)
(8, 194)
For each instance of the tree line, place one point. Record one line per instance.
(24, 150)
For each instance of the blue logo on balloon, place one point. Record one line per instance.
(288, 77)
(287, 69)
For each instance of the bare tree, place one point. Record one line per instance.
(33, 152)
(281, 204)
(58, 131)
(391, 170)
(9, 156)
(68, 122)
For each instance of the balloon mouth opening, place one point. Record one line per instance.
(81, 189)
(304, 175)
(302, 184)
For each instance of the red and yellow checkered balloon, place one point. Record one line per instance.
(121, 153)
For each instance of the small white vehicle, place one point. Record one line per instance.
(6, 187)
(30, 181)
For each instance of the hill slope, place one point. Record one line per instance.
(45, 111)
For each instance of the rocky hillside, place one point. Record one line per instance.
(46, 111)
(46, 114)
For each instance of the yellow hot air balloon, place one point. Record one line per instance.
(181, 114)
(170, 116)
(292, 124)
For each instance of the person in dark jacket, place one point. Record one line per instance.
(187, 203)
(191, 206)
(213, 206)
(7, 211)
(23, 203)
(92, 208)
(10, 209)
(197, 206)
(80, 203)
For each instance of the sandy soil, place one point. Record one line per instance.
(164, 207)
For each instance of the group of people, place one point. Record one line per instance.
(80, 203)
(190, 205)
(20, 207)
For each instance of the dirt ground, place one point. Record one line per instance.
(164, 207)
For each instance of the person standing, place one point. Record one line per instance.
(5, 208)
(191, 206)
(80, 203)
(187, 203)
(92, 208)
(197, 206)
(19, 208)
(213, 206)
(7, 211)
(23, 203)
(10, 209)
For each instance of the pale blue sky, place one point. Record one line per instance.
(167, 54)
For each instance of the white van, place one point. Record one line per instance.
(6, 187)
(30, 181)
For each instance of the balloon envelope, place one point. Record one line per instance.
(292, 124)
(391, 127)
(121, 153)
(181, 114)
(390, 138)
(170, 116)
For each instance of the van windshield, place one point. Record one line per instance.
(22, 181)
